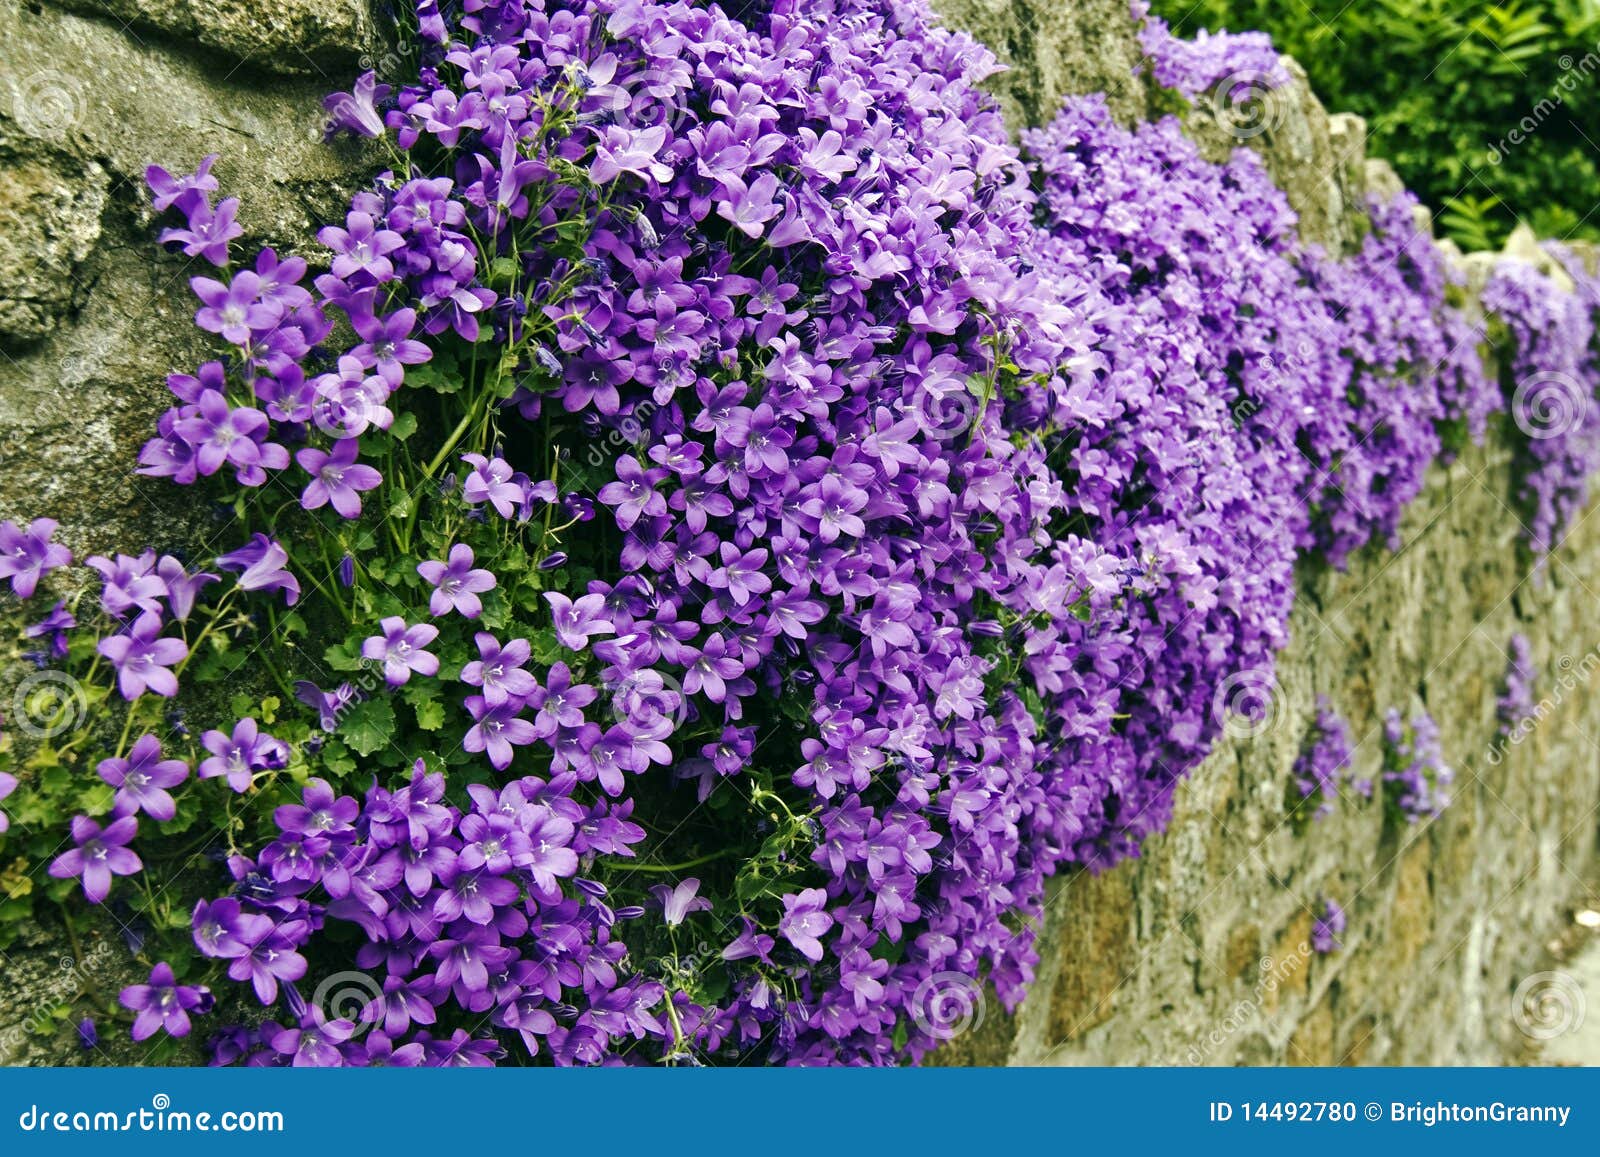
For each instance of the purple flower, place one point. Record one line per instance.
(184, 193)
(224, 436)
(356, 112)
(401, 650)
(234, 311)
(260, 563)
(208, 232)
(805, 921)
(88, 1035)
(576, 622)
(99, 855)
(1328, 927)
(386, 344)
(498, 671)
(163, 1003)
(129, 582)
(224, 930)
(336, 478)
(142, 778)
(26, 555)
(141, 658)
(183, 588)
(678, 902)
(53, 627)
(240, 755)
(492, 480)
(456, 585)
(495, 730)
(8, 784)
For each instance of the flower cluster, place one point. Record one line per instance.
(931, 495)
(1241, 60)
(1321, 765)
(1415, 776)
(1516, 701)
(1550, 356)
(1327, 927)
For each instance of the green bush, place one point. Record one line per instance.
(1490, 112)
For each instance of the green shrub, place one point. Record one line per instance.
(1490, 112)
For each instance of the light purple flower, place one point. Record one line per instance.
(261, 566)
(141, 658)
(141, 779)
(401, 650)
(576, 621)
(456, 585)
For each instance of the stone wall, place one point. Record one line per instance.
(1156, 961)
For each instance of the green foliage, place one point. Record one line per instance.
(1489, 112)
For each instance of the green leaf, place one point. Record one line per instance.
(403, 427)
(368, 726)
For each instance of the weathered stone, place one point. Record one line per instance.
(1053, 50)
(49, 222)
(1312, 1042)
(1096, 952)
(290, 36)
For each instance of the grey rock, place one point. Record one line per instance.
(50, 214)
(289, 36)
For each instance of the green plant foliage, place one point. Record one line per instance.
(1489, 112)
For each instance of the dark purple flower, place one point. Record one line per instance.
(99, 855)
(163, 1003)
(336, 478)
(53, 627)
(26, 555)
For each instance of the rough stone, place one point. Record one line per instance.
(49, 222)
(1052, 50)
(289, 36)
